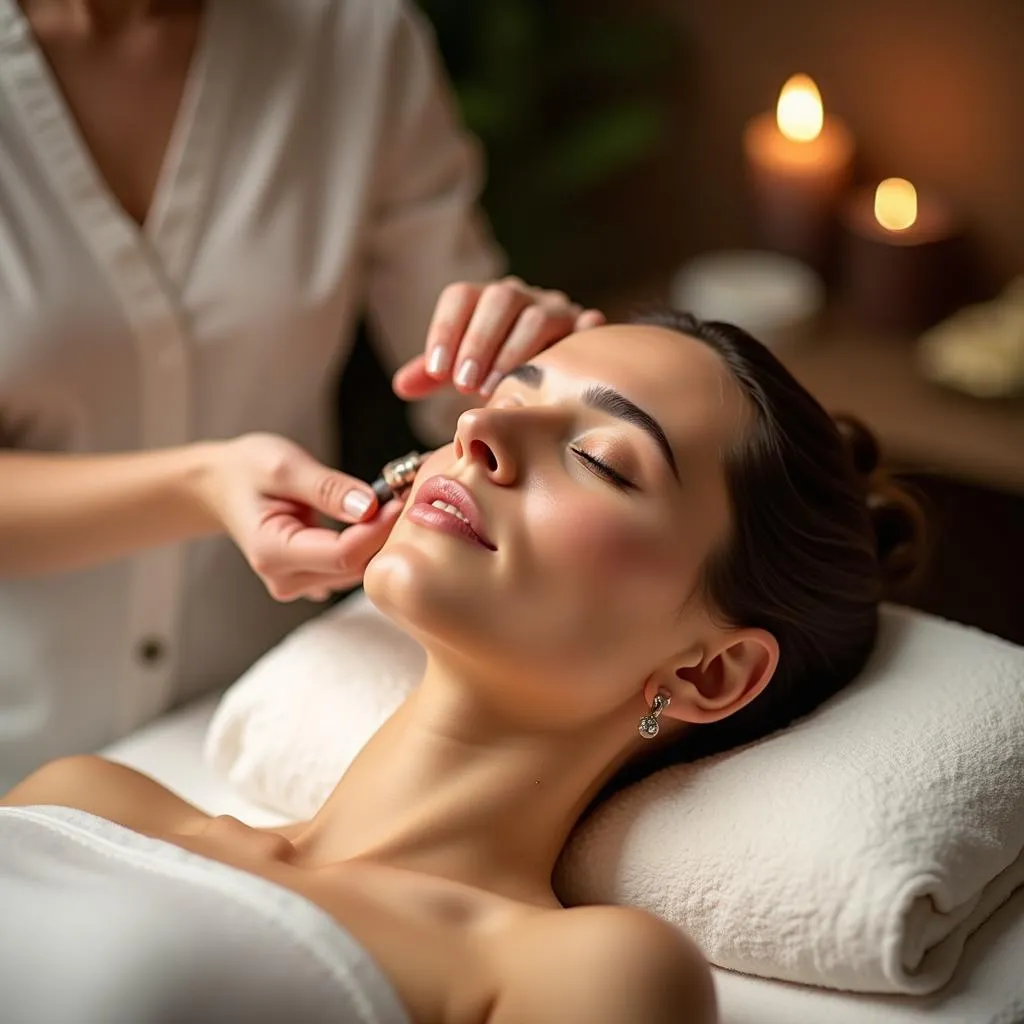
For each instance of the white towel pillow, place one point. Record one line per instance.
(856, 849)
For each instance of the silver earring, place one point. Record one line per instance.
(649, 723)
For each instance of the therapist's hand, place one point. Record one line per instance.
(269, 495)
(481, 331)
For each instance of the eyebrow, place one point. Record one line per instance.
(602, 398)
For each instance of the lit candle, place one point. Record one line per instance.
(799, 162)
(899, 254)
(895, 204)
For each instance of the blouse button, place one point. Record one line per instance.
(151, 650)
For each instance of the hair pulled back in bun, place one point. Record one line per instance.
(898, 519)
(818, 534)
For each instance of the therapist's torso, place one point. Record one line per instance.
(230, 310)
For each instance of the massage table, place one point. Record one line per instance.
(984, 990)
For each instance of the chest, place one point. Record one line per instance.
(440, 943)
(125, 96)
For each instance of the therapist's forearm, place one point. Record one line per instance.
(64, 512)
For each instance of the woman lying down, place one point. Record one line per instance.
(650, 545)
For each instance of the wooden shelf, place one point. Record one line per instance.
(873, 376)
(922, 427)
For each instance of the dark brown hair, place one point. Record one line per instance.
(819, 532)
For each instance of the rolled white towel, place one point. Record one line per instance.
(856, 849)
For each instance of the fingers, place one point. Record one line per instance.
(497, 310)
(301, 478)
(451, 317)
(411, 380)
(590, 318)
(359, 543)
(284, 546)
(480, 332)
(296, 561)
(535, 329)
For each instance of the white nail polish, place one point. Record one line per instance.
(355, 503)
(468, 373)
(491, 383)
(437, 362)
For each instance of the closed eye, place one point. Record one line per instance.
(602, 469)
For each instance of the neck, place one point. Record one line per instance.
(96, 15)
(447, 789)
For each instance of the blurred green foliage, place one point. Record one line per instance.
(564, 102)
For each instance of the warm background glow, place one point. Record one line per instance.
(799, 112)
(895, 204)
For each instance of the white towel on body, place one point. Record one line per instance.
(101, 925)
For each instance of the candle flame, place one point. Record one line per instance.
(895, 204)
(799, 112)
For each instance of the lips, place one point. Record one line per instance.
(451, 492)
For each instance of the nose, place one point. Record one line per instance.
(485, 438)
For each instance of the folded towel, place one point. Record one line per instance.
(856, 849)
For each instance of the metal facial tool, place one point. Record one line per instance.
(396, 477)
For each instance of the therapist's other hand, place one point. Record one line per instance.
(481, 331)
(269, 495)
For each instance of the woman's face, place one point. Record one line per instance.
(594, 489)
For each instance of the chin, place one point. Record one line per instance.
(412, 587)
(391, 581)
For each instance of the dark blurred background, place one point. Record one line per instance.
(613, 136)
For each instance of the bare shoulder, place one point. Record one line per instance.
(603, 965)
(105, 789)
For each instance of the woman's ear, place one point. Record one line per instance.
(719, 682)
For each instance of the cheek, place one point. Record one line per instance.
(607, 557)
(593, 594)
(594, 538)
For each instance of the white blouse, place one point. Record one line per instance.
(316, 170)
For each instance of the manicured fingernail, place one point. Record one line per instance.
(437, 361)
(491, 383)
(468, 375)
(355, 503)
